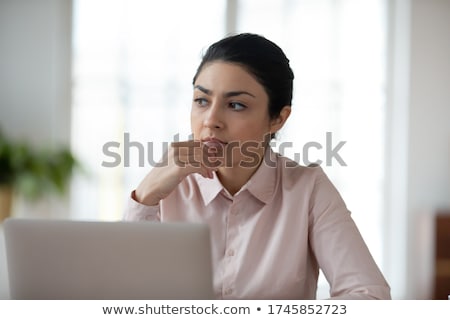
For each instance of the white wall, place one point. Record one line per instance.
(35, 46)
(429, 133)
(418, 141)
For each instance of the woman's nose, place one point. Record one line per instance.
(213, 118)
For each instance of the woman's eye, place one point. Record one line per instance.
(201, 101)
(237, 106)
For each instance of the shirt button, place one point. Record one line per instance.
(228, 291)
(230, 253)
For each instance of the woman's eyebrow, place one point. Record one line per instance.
(237, 93)
(204, 90)
(226, 94)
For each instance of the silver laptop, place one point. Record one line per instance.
(67, 259)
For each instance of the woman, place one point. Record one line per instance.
(273, 222)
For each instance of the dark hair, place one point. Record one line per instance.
(263, 59)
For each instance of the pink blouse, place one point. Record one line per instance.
(270, 239)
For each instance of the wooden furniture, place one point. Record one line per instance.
(442, 256)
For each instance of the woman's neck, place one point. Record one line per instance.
(234, 178)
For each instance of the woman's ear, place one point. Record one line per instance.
(277, 123)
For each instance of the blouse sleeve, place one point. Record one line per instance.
(339, 247)
(135, 211)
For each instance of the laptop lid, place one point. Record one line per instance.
(67, 259)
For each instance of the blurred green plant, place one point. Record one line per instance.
(34, 173)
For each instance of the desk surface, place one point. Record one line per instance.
(4, 285)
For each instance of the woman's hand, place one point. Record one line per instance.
(180, 160)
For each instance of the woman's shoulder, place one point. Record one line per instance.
(291, 167)
(310, 181)
(291, 174)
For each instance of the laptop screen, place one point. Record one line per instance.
(66, 259)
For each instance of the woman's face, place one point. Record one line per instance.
(230, 110)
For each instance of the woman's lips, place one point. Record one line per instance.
(211, 139)
(214, 146)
